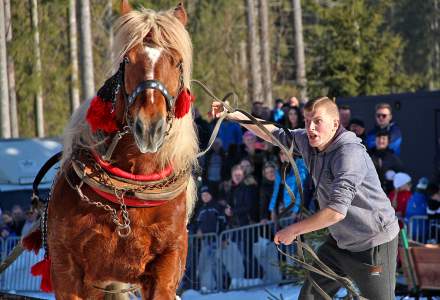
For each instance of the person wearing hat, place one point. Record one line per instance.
(400, 195)
(384, 159)
(277, 113)
(416, 207)
(363, 228)
(358, 127)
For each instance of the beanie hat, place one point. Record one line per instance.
(423, 183)
(358, 122)
(204, 189)
(400, 179)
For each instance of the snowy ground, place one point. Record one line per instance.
(288, 293)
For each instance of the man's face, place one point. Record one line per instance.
(382, 142)
(344, 116)
(358, 130)
(321, 127)
(383, 117)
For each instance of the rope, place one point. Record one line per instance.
(325, 270)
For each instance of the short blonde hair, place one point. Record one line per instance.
(326, 102)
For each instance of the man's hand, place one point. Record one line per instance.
(286, 236)
(217, 109)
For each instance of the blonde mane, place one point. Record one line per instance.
(180, 146)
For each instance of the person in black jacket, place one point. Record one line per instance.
(384, 159)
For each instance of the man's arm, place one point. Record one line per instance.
(322, 219)
(217, 110)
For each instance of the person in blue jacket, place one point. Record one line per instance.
(384, 116)
(276, 206)
(417, 205)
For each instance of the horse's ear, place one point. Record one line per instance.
(180, 14)
(125, 7)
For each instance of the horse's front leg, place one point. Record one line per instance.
(166, 272)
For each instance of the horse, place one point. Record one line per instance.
(122, 198)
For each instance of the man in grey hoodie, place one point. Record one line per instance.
(363, 227)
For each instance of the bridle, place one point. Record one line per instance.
(116, 84)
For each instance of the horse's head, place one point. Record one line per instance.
(154, 52)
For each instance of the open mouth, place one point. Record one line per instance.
(312, 136)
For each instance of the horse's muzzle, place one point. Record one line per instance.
(149, 136)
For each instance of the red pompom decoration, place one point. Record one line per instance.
(101, 116)
(183, 103)
(42, 269)
(33, 241)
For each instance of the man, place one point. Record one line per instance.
(363, 227)
(344, 115)
(384, 118)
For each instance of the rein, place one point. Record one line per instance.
(323, 269)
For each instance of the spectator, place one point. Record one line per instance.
(384, 159)
(293, 118)
(18, 219)
(31, 217)
(266, 191)
(433, 211)
(384, 122)
(358, 127)
(6, 227)
(400, 195)
(258, 110)
(210, 219)
(280, 198)
(417, 206)
(277, 112)
(214, 167)
(230, 134)
(203, 129)
(344, 115)
(293, 102)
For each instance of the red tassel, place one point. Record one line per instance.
(183, 103)
(100, 116)
(42, 269)
(33, 241)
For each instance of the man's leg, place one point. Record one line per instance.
(375, 277)
(328, 254)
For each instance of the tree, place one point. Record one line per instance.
(253, 49)
(354, 52)
(37, 57)
(87, 77)
(265, 54)
(74, 90)
(299, 51)
(11, 73)
(4, 103)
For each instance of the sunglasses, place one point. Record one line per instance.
(381, 115)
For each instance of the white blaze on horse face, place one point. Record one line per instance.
(153, 54)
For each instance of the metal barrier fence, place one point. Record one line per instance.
(423, 230)
(18, 277)
(236, 259)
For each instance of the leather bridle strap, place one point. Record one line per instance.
(154, 85)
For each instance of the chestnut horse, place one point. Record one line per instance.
(120, 204)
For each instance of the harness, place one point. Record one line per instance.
(115, 84)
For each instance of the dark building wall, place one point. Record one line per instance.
(418, 115)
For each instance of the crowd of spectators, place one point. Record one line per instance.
(242, 174)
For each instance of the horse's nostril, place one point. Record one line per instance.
(139, 128)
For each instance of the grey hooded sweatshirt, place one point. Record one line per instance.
(347, 182)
